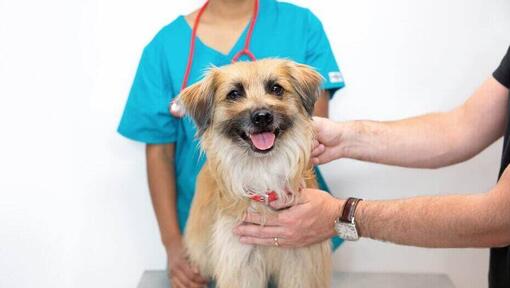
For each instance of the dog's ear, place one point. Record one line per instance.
(306, 82)
(198, 101)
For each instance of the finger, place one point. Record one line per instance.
(256, 218)
(252, 230)
(180, 276)
(193, 277)
(176, 282)
(318, 150)
(324, 157)
(277, 205)
(201, 278)
(185, 282)
(263, 241)
(192, 284)
(283, 202)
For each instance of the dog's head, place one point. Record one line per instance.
(254, 105)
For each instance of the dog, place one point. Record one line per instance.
(254, 121)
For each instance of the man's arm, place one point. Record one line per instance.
(479, 220)
(428, 141)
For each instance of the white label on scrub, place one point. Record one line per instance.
(335, 77)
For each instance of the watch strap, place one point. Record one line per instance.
(349, 210)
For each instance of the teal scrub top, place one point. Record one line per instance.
(281, 30)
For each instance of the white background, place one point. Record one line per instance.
(74, 206)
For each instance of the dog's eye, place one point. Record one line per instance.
(277, 90)
(234, 95)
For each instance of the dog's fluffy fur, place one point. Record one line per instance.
(236, 168)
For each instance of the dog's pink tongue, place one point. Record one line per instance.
(263, 141)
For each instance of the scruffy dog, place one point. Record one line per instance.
(254, 120)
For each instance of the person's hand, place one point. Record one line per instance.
(327, 145)
(310, 221)
(181, 273)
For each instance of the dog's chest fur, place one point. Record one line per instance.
(242, 175)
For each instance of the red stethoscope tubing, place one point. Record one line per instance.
(246, 49)
(175, 108)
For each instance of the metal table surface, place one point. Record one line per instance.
(158, 279)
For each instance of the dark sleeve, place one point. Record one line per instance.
(502, 73)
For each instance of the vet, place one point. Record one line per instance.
(274, 29)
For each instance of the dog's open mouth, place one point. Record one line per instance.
(262, 142)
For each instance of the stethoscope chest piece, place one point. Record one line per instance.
(176, 109)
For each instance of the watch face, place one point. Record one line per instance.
(346, 231)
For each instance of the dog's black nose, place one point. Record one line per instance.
(262, 118)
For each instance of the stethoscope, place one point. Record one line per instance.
(176, 108)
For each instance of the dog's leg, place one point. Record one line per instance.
(236, 265)
(198, 252)
(307, 267)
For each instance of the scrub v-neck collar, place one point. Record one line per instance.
(238, 45)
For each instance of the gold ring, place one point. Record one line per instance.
(275, 242)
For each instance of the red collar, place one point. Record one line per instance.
(265, 198)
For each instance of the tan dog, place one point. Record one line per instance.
(254, 120)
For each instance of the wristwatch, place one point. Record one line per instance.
(345, 225)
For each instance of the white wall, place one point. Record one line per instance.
(74, 206)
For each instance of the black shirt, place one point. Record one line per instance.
(499, 268)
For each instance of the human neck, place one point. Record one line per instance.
(230, 9)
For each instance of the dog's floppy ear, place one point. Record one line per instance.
(306, 82)
(198, 100)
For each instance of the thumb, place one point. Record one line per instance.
(194, 269)
(285, 201)
(317, 122)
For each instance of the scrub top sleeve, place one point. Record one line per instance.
(146, 117)
(320, 56)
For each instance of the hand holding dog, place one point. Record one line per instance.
(181, 273)
(329, 139)
(308, 222)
